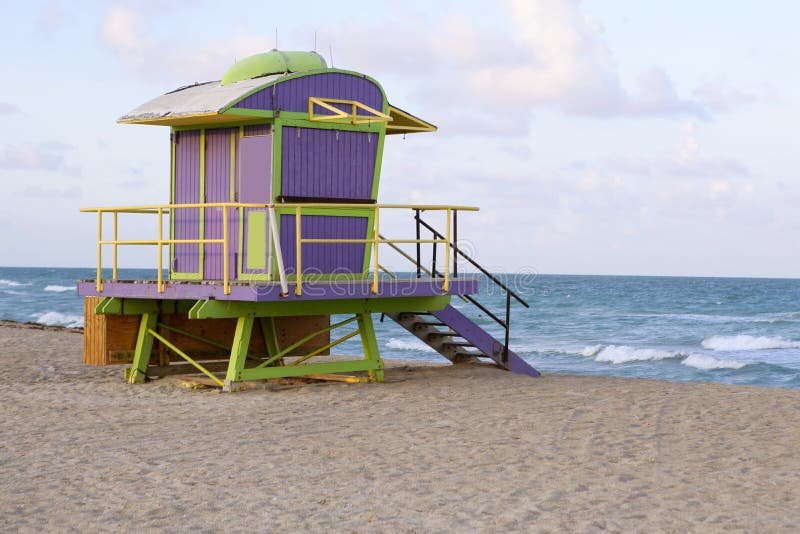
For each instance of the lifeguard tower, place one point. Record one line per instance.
(273, 225)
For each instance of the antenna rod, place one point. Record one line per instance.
(276, 38)
(330, 52)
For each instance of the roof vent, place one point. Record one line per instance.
(273, 62)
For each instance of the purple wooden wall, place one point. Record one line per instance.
(324, 258)
(293, 94)
(187, 191)
(217, 189)
(328, 163)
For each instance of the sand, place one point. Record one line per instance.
(433, 449)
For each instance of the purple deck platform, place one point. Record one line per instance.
(270, 291)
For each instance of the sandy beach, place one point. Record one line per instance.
(433, 449)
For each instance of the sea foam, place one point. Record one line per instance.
(11, 283)
(402, 344)
(59, 289)
(591, 350)
(706, 363)
(623, 354)
(747, 342)
(54, 318)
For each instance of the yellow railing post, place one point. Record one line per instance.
(99, 281)
(160, 240)
(298, 289)
(375, 241)
(226, 288)
(114, 267)
(446, 284)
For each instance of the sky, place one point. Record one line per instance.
(626, 137)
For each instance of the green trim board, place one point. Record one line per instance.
(218, 309)
(233, 123)
(376, 178)
(322, 368)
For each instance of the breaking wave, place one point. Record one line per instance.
(11, 283)
(54, 318)
(623, 354)
(747, 342)
(591, 350)
(706, 363)
(402, 344)
(59, 289)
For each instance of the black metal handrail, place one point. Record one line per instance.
(509, 293)
(466, 257)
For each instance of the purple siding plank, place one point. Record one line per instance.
(187, 191)
(292, 95)
(328, 163)
(325, 258)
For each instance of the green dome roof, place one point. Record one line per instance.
(273, 62)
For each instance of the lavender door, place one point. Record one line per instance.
(217, 188)
(185, 261)
(254, 186)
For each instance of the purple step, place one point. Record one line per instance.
(483, 341)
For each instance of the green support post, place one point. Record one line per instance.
(137, 373)
(270, 337)
(241, 343)
(370, 344)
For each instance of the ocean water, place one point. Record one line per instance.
(731, 330)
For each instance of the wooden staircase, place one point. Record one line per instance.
(448, 331)
(457, 338)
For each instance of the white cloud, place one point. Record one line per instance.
(127, 34)
(37, 191)
(549, 55)
(717, 95)
(9, 109)
(45, 156)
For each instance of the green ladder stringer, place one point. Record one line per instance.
(241, 366)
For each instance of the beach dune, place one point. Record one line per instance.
(433, 449)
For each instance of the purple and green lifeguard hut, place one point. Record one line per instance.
(274, 215)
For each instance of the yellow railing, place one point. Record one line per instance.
(167, 209)
(339, 115)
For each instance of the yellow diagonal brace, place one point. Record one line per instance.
(183, 355)
(309, 337)
(326, 347)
